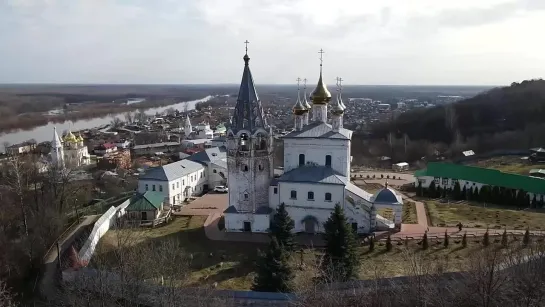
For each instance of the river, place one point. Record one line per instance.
(45, 132)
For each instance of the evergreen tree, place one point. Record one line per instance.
(486, 238)
(425, 241)
(371, 244)
(432, 189)
(476, 194)
(469, 193)
(456, 191)
(526, 238)
(534, 203)
(504, 238)
(496, 195)
(464, 240)
(388, 243)
(419, 189)
(520, 199)
(340, 256)
(438, 192)
(273, 271)
(282, 226)
(463, 193)
(445, 243)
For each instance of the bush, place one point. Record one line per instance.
(526, 238)
(388, 243)
(371, 244)
(464, 240)
(445, 242)
(504, 238)
(425, 243)
(486, 238)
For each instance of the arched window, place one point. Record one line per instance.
(301, 159)
(245, 167)
(327, 196)
(310, 196)
(293, 194)
(328, 160)
(260, 167)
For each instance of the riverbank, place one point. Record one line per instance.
(43, 131)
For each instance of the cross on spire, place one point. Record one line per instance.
(321, 52)
(298, 82)
(305, 83)
(246, 43)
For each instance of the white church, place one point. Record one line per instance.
(71, 152)
(316, 167)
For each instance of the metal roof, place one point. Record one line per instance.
(148, 201)
(213, 154)
(156, 145)
(358, 191)
(486, 176)
(172, 171)
(387, 196)
(314, 174)
(231, 209)
(320, 130)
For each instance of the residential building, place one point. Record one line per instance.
(150, 149)
(105, 148)
(215, 160)
(21, 148)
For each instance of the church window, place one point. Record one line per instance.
(293, 194)
(310, 196)
(173, 186)
(160, 188)
(245, 167)
(214, 171)
(178, 184)
(260, 167)
(245, 195)
(327, 196)
(153, 187)
(147, 187)
(328, 160)
(275, 190)
(301, 159)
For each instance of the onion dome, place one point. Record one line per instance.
(79, 138)
(336, 106)
(70, 137)
(305, 101)
(299, 108)
(320, 95)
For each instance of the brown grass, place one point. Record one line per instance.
(507, 164)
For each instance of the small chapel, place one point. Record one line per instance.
(316, 166)
(70, 152)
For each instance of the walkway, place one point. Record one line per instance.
(48, 282)
(205, 205)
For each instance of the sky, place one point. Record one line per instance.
(397, 42)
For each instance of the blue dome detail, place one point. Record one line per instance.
(385, 196)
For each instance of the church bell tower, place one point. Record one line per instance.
(249, 149)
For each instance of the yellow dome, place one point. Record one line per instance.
(70, 137)
(299, 108)
(79, 138)
(320, 95)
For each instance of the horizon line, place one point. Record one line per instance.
(236, 84)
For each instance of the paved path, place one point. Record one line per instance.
(205, 205)
(48, 282)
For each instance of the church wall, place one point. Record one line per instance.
(253, 182)
(274, 198)
(315, 150)
(234, 222)
(302, 189)
(214, 178)
(175, 188)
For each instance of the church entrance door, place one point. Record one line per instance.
(310, 226)
(247, 226)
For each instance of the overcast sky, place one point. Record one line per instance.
(461, 42)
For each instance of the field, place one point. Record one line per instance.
(408, 215)
(231, 265)
(475, 215)
(507, 164)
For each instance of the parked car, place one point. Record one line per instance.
(221, 189)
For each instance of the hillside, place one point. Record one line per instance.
(498, 110)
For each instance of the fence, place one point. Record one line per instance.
(102, 225)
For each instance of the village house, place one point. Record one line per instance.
(119, 159)
(146, 207)
(105, 148)
(21, 148)
(149, 149)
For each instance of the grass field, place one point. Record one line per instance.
(232, 265)
(478, 216)
(507, 164)
(408, 215)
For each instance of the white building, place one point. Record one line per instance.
(71, 152)
(176, 181)
(316, 165)
(215, 161)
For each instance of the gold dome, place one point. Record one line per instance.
(336, 106)
(305, 103)
(70, 137)
(320, 95)
(299, 108)
(79, 138)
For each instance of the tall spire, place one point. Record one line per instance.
(340, 85)
(299, 109)
(320, 95)
(56, 143)
(336, 105)
(305, 101)
(248, 110)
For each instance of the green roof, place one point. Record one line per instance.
(486, 176)
(146, 202)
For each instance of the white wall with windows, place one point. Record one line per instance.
(304, 151)
(175, 191)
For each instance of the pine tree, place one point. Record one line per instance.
(504, 238)
(340, 251)
(273, 271)
(445, 243)
(456, 191)
(476, 194)
(419, 189)
(469, 193)
(281, 228)
(388, 243)
(445, 192)
(526, 238)
(534, 203)
(371, 244)
(463, 193)
(425, 241)
(431, 189)
(438, 192)
(464, 240)
(486, 239)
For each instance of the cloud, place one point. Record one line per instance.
(190, 41)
